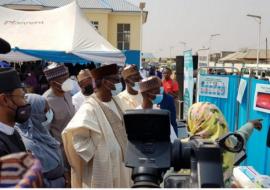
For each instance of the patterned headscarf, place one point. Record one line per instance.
(208, 122)
(20, 170)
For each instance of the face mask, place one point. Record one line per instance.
(49, 116)
(67, 85)
(161, 90)
(118, 89)
(22, 113)
(158, 99)
(136, 87)
(88, 90)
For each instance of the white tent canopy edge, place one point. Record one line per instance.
(61, 29)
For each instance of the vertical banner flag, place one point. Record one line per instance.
(241, 90)
(203, 60)
(188, 81)
(203, 55)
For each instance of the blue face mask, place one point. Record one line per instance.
(158, 99)
(118, 89)
(136, 87)
(161, 90)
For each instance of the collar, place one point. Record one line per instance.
(6, 129)
(131, 95)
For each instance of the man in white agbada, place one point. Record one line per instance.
(152, 95)
(130, 98)
(85, 82)
(95, 139)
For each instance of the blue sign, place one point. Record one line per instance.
(188, 81)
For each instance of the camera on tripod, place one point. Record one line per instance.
(150, 153)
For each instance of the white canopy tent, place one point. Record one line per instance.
(17, 57)
(63, 29)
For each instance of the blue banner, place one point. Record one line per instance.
(132, 57)
(55, 56)
(188, 81)
(258, 154)
(228, 106)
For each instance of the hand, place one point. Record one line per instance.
(174, 95)
(235, 184)
(257, 124)
(176, 98)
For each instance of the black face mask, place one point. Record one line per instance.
(88, 90)
(23, 113)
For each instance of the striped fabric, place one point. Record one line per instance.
(20, 170)
(55, 71)
(149, 83)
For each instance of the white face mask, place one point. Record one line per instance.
(136, 87)
(118, 89)
(49, 116)
(67, 85)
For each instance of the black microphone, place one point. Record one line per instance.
(4, 46)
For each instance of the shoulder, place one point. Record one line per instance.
(85, 113)
(78, 95)
(174, 82)
(85, 118)
(88, 110)
(46, 94)
(49, 95)
(117, 99)
(89, 106)
(68, 95)
(3, 148)
(169, 97)
(121, 94)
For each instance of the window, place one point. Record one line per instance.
(95, 24)
(123, 36)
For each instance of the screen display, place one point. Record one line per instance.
(147, 125)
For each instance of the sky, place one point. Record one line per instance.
(171, 22)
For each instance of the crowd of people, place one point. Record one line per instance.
(77, 138)
(32, 76)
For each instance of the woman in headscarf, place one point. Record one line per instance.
(207, 121)
(37, 139)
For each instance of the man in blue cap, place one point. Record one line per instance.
(13, 108)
